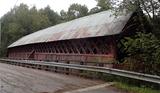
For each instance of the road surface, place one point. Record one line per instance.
(15, 79)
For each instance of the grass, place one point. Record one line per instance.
(134, 89)
(125, 84)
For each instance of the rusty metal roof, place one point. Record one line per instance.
(99, 24)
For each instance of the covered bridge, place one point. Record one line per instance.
(91, 38)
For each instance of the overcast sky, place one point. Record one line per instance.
(57, 5)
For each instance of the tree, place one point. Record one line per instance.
(53, 17)
(143, 48)
(77, 10)
(21, 21)
(64, 15)
(94, 10)
(38, 20)
(74, 11)
(104, 4)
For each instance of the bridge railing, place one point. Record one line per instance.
(123, 73)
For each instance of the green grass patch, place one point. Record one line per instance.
(134, 89)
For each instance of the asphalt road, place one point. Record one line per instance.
(15, 79)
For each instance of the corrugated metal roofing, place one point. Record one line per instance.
(99, 24)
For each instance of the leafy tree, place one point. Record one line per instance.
(53, 17)
(64, 15)
(21, 21)
(143, 46)
(38, 20)
(94, 10)
(102, 5)
(74, 11)
(143, 49)
(15, 31)
(77, 10)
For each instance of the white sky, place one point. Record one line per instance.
(57, 5)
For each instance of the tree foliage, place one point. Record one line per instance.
(104, 4)
(142, 53)
(53, 16)
(94, 10)
(143, 47)
(21, 21)
(74, 11)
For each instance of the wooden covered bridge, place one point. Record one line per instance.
(91, 38)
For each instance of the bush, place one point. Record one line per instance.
(143, 52)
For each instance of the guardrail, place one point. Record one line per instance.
(123, 73)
